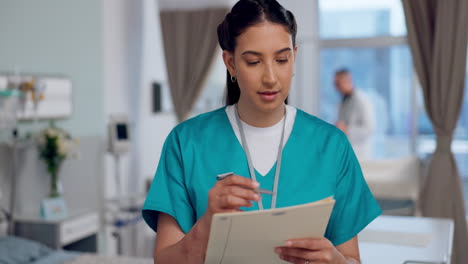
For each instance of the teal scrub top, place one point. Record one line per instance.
(318, 162)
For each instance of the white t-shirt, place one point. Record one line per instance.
(263, 141)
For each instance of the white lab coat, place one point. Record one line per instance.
(357, 112)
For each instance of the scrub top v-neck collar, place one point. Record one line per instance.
(241, 149)
(292, 117)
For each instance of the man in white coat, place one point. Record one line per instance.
(356, 116)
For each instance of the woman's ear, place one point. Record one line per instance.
(228, 59)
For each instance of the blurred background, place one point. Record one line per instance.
(100, 71)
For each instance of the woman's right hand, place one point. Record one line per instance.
(231, 193)
(228, 195)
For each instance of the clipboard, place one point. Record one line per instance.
(251, 237)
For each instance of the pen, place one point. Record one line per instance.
(225, 175)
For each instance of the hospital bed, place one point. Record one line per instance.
(395, 182)
(407, 240)
(28, 250)
(15, 250)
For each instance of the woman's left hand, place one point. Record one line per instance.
(310, 251)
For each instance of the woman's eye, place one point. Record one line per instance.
(253, 62)
(282, 61)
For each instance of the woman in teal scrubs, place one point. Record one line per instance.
(312, 159)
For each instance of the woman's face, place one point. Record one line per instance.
(263, 63)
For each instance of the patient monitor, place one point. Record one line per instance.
(121, 210)
(118, 134)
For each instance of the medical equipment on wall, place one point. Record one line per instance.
(119, 142)
(122, 211)
(4, 218)
(42, 97)
(13, 91)
(28, 97)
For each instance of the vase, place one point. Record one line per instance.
(56, 188)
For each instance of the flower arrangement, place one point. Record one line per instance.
(54, 145)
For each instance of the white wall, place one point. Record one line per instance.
(190, 4)
(57, 37)
(133, 59)
(154, 128)
(122, 45)
(305, 91)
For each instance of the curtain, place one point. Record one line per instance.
(437, 35)
(190, 43)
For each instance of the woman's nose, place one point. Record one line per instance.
(269, 77)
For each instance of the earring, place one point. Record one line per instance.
(233, 79)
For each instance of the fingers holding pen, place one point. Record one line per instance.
(231, 193)
(241, 192)
(233, 202)
(240, 181)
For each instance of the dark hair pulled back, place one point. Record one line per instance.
(244, 14)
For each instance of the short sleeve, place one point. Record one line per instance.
(355, 206)
(168, 192)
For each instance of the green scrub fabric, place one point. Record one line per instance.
(318, 162)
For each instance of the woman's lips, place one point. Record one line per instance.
(268, 95)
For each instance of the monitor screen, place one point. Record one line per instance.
(122, 131)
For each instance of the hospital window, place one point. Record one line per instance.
(369, 38)
(384, 74)
(361, 19)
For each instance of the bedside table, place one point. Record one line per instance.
(77, 232)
